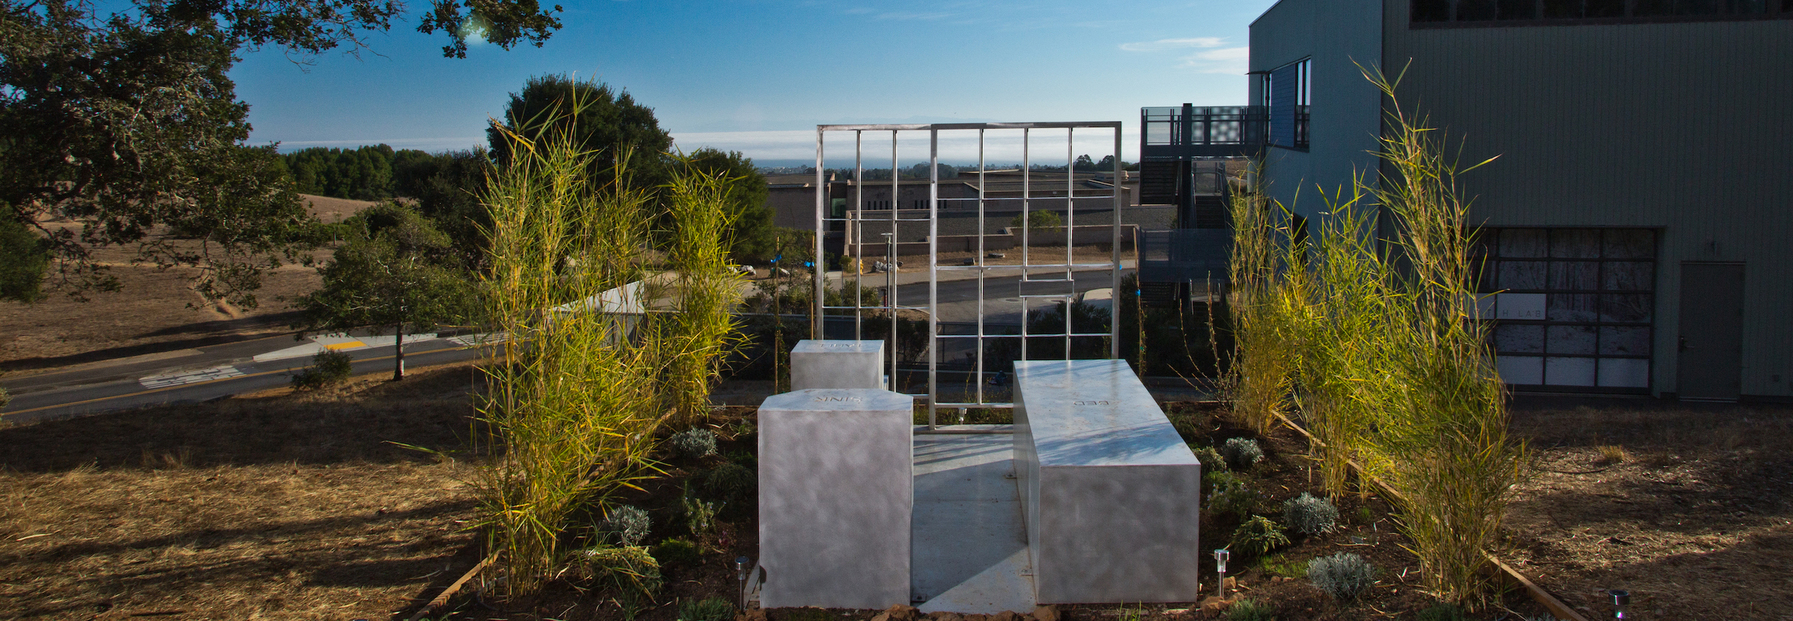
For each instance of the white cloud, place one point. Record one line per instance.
(1172, 44)
(1230, 60)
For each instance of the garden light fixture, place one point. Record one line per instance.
(1620, 600)
(1220, 557)
(741, 563)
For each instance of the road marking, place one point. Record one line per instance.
(488, 338)
(348, 345)
(4, 415)
(190, 377)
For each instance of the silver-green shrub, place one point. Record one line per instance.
(1344, 576)
(628, 523)
(1241, 453)
(693, 443)
(1210, 458)
(1309, 515)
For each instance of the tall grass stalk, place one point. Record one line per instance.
(573, 400)
(1441, 421)
(703, 329)
(1263, 364)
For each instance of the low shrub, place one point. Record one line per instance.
(1343, 576)
(628, 524)
(730, 483)
(1281, 565)
(708, 609)
(1241, 453)
(675, 551)
(1309, 515)
(1249, 610)
(1258, 536)
(700, 516)
(693, 443)
(1444, 611)
(630, 571)
(327, 368)
(1227, 493)
(1210, 458)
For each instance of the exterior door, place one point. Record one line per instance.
(1711, 343)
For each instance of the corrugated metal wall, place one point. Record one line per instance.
(1684, 127)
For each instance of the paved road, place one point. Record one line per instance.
(1002, 295)
(191, 375)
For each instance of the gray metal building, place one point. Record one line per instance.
(1637, 221)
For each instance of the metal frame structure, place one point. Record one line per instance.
(1030, 273)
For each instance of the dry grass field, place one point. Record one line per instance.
(278, 506)
(156, 310)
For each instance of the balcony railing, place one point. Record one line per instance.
(1190, 131)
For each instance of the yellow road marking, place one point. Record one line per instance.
(348, 345)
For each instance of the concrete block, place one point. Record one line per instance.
(836, 490)
(837, 364)
(1109, 492)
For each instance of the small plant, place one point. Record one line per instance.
(1038, 219)
(630, 570)
(1343, 576)
(693, 443)
(1610, 454)
(1443, 611)
(730, 483)
(1365, 515)
(1282, 565)
(1309, 515)
(1228, 494)
(676, 551)
(1210, 458)
(708, 609)
(327, 368)
(628, 523)
(1258, 536)
(700, 516)
(1249, 610)
(1241, 453)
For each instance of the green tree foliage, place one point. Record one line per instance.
(365, 173)
(446, 187)
(751, 233)
(127, 121)
(609, 122)
(1038, 219)
(23, 257)
(390, 274)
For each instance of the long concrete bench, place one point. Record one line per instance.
(1111, 494)
(837, 493)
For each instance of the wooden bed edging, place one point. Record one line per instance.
(442, 598)
(1556, 606)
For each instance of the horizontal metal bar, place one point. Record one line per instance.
(952, 126)
(992, 406)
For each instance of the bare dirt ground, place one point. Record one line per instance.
(1696, 521)
(287, 507)
(156, 311)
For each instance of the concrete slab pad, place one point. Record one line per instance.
(970, 546)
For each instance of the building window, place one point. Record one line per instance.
(1552, 12)
(1287, 94)
(1570, 307)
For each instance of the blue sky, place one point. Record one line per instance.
(757, 76)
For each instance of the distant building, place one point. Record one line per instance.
(1637, 220)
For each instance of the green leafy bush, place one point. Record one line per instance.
(1444, 611)
(1249, 610)
(1258, 536)
(1343, 576)
(693, 443)
(676, 551)
(1309, 515)
(327, 368)
(700, 516)
(730, 483)
(1210, 458)
(1282, 565)
(1241, 453)
(630, 570)
(708, 609)
(629, 524)
(1227, 493)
